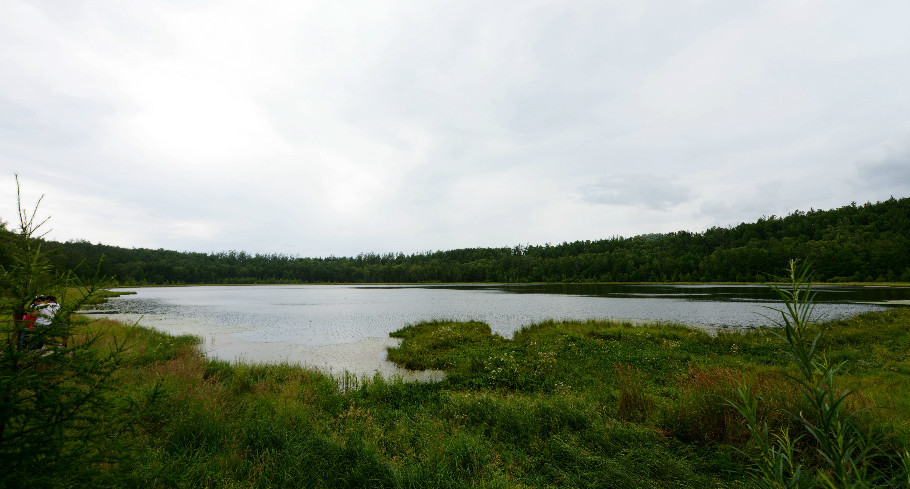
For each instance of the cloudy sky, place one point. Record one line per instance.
(336, 127)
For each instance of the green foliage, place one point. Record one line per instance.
(52, 399)
(678, 381)
(850, 454)
(206, 423)
(561, 404)
(634, 403)
(775, 463)
(701, 414)
(870, 242)
(438, 344)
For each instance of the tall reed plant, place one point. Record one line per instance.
(845, 453)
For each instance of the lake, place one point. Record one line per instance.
(340, 328)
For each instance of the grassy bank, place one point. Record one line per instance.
(562, 404)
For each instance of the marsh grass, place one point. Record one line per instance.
(634, 402)
(562, 404)
(702, 415)
(842, 446)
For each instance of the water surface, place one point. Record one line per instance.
(346, 327)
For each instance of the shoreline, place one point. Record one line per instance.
(477, 284)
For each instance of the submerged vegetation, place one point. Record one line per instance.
(868, 243)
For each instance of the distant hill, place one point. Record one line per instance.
(869, 242)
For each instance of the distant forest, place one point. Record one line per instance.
(867, 243)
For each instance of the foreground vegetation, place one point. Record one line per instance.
(568, 404)
(862, 243)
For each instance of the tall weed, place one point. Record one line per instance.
(634, 403)
(849, 453)
(702, 414)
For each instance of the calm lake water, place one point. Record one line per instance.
(346, 327)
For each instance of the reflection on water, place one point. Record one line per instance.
(341, 328)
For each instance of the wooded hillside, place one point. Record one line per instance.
(868, 242)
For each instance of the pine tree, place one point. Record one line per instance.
(51, 399)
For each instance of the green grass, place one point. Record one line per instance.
(562, 404)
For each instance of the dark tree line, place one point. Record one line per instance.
(868, 242)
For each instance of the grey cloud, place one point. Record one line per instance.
(443, 94)
(887, 177)
(725, 214)
(62, 121)
(651, 191)
(776, 197)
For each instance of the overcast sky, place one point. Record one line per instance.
(336, 127)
